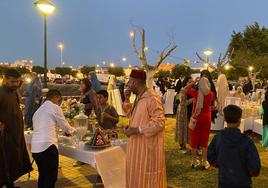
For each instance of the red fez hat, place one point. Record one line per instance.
(138, 74)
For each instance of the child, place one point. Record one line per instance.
(106, 114)
(234, 153)
(44, 141)
(265, 121)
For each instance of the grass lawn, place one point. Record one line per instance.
(179, 172)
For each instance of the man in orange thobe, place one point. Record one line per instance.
(145, 161)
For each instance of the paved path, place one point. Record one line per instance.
(68, 176)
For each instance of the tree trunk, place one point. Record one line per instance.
(150, 76)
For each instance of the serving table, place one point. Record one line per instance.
(113, 157)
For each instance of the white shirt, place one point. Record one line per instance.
(45, 121)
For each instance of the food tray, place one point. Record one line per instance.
(98, 147)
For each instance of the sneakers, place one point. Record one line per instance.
(195, 163)
(205, 165)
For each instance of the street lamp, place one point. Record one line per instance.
(227, 67)
(124, 59)
(46, 8)
(208, 53)
(252, 76)
(131, 34)
(250, 72)
(61, 47)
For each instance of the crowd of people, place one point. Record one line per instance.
(42, 115)
(198, 103)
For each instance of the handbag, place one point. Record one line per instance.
(192, 123)
(193, 120)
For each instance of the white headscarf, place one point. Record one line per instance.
(203, 90)
(222, 90)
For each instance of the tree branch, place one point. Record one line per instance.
(225, 55)
(134, 46)
(220, 60)
(143, 57)
(197, 54)
(225, 63)
(212, 66)
(230, 55)
(162, 57)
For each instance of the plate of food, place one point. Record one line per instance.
(98, 141)
(99, 147)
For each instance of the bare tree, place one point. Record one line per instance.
(150, 71)
(222, 61)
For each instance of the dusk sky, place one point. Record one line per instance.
(94, 31)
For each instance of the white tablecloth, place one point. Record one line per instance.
(246, 124)
(80, 154)
(258, 126)
(112, 167)
(241, 127)
(169, 101)
(250, 112)
(233, 100)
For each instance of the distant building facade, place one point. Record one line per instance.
(18, 63)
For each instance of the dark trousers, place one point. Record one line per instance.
(229, 186)
(47, 163)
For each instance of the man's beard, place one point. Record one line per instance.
(134, 91)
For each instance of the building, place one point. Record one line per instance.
(23, 63)
(18, 63)
(5, 63)
(166, 67)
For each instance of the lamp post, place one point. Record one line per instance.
(208, 53)
(131, 34)
(46, 8)
(252, 76)
(61, 47)
(250, 72)
(227, 67)
(112, 65)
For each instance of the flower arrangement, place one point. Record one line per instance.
(71, 108)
